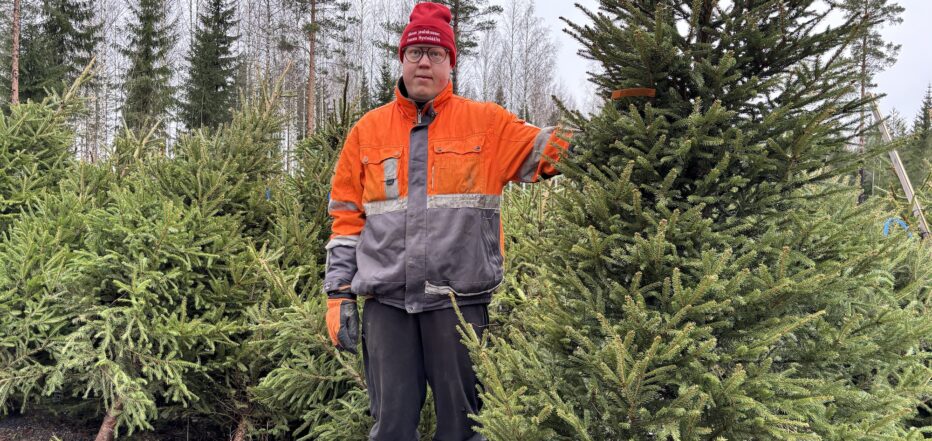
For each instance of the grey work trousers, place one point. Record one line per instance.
(403, 353)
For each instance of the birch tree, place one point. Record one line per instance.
(14, 76)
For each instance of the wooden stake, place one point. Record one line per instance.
(901, 174)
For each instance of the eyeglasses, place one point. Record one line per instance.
(436, 55)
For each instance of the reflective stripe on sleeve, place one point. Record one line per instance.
(336, 205)
(529, 167)
(342, 241)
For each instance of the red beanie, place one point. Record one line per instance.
(429, 25)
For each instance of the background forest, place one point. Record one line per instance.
(712, 265)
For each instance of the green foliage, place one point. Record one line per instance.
(139, 288)
(6, 48)
(914, 148)
(309, 381)
(796, 336)
(34, 151)
(922, 127)
(387, 83)
(209, 92)
(698, 275)
(57, 47)
(365, 95)
(331, 20)
(868, 48)
(917, 154)
(146, 283)
(148, 89)
(469, 19)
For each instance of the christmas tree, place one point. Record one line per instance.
(699, 274)
(136, 282)
(34, 150)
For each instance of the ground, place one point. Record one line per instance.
(44, 427)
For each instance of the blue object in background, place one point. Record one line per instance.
(268, 194)
(898, 221)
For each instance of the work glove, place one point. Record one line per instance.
(343, 320)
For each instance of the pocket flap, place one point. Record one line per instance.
(458, 147)
(375, 155)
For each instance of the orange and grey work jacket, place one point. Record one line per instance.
(416, 199)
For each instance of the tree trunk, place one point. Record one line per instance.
(311, 74)
(862, 173)
(14, 86)
(106, 428)
(456, 36)
(95, 128)
(240, 434)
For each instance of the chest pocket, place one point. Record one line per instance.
(457, 167)
(381, 172)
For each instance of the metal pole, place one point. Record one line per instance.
(901, 173)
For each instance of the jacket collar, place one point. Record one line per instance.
(409, 108)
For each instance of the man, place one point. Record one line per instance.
(416, 217)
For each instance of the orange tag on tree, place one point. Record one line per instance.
(634, 91)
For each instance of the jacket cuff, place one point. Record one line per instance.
(345, 294)
(341, 262)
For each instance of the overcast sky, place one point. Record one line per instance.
(904, 83)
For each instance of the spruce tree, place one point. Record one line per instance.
(68, 36)
(500, 96)
(387, 82)
(59, 37)
(15, 42)
(869, 49)
(143, 280)
(209, 92)
(319, 21)
(390, 45)
(185, 291)
(917, 153)
(312, 391)
(470, 18)
(922, 126)
(6, 51)
(365, 95)
(147, 87)
(871, 52)
(34, 54)
(695, 280)
(34, 151)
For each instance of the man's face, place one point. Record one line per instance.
(425, 79)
